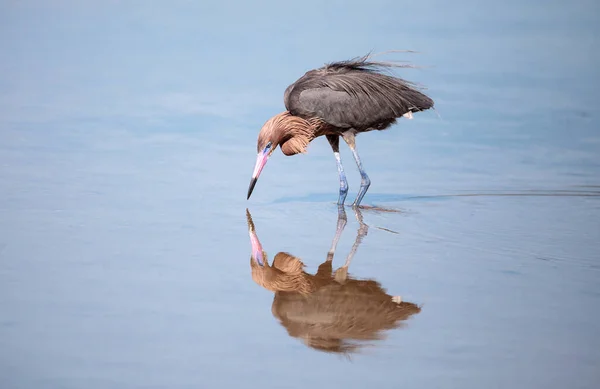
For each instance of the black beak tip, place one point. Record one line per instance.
(251, 187)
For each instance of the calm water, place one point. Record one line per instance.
(127, 140)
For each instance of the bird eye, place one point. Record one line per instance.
(268, 146)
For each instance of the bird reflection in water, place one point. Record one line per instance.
(330, 311)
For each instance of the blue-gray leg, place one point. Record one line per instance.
(334, 141)
(343, 180)
(365, 181)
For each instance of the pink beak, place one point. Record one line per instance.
(261, 161)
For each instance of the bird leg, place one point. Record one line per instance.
(341, 224)
(365, 181)
(342, 273)
(334, 141)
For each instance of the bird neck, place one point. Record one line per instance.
(296, 133)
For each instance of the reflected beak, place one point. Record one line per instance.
(261, 161)
(257, 250)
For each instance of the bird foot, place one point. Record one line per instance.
(397, 299)
(408, 115)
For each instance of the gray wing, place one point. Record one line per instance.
(353, 97)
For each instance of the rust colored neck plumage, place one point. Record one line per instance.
(291, 133)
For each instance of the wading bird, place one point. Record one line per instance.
(339, 99)
(330, 311)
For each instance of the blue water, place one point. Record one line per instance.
(127, 141)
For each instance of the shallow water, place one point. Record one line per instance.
(126, 146)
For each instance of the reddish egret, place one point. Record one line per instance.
(339, 99)
(330, 311)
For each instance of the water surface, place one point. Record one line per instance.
(127, 140)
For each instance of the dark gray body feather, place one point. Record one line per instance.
(354, 94)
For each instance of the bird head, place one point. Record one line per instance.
(291, 133)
